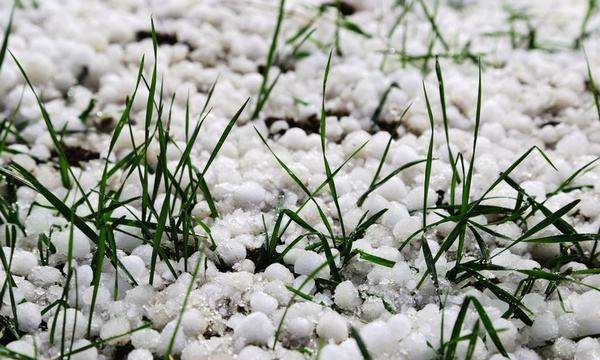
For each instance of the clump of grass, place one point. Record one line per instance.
(592, 7)
(592, 85)
(100, 225)
(265, 87)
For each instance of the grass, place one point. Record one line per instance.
(175, 234)
(265, 87)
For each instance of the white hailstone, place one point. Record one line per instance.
(144, 252)
(587, 349)
(373, 308)
(252, 352)
(85, 275)
(193, 322)
(166, 336)
(22, 261)
(299, 327)
(140, 354)
(536, 189)
(416, 347)
(346, 296)
(568, 325)
(128, 239)
(526, 354)
(136, 267)
(278, 290)
(245, 265)
(414, 198)
(38, 66)
(304, 284)
(261, 302)
(308, 261)
(544, 328)
(395, 213)
(564, 348)
(574, 144)
(103, 297)
(332, 326)
(145, 339)
(140, 295)
(406, 227)
(25, 161)
(29, 316)
(22, 347)
(249, 194)
(393, 190)
(377, 337)
(332, 351)
(508, 335)
(116, 327)
(196, 350)
(81, 244)
(255, 328)
(90, 353)
(401, 273)
(276, 271)
(294, 138)
(73, 321)
(586, 312)
(231, 251)
(399, 325)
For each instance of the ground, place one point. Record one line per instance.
(231, 179)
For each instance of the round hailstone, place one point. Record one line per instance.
(264, 303)
(373, 308)
(299, 328)
(22, 261)
(140, 354)
(90, 353)
(587, 348)
(377, 337)
(255, 328)
(346, 296)
(252, 352)
(81, 244)
(136, 267)
(544, 328)
(114, 328)
(231, 251)
(399, 325)
(167, 334)
(195, 350)
(22, 347)
(332, 326)
(332, 351)
(276, 271)
(29, 316)
(74, 322)
(145, 339)
(44, 276)
(193, 322)
(249, 194)
(417, 347)
(309, 261)
(25, 161)
(401, 273)
(564, 348)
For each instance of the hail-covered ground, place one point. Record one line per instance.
(235, 179)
